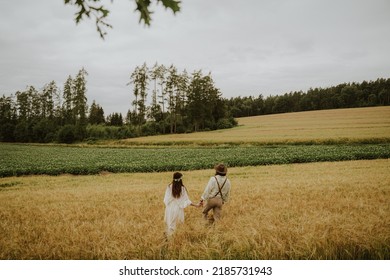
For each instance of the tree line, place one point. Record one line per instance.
(165, 100)
(46, 115)
(345, 95)
(179, 103)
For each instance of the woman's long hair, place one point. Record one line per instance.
(177, 184)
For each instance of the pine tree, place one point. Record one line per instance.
(80, 98)
(157, 77)
(140, 79)
(96, 114)
(68, 96)
(7, 118)
(143, 81)
(171, 89)
(48, 95)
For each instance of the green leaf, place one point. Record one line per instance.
(171, 4)
(143, 8)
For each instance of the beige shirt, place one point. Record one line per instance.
(211, 189)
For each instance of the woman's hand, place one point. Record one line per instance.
(196, 205)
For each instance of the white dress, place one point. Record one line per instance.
(174, 208)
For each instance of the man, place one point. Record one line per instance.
(216, 192)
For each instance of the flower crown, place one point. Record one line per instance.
(178, 179)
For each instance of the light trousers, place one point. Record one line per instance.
(215, 204)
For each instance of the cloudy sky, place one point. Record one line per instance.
(251, 47)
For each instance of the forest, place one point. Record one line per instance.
(164, 101)
(180, 103)
(346, 95)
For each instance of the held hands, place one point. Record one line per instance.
(200, 204)
(195, 205)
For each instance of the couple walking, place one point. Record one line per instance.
(215, 194)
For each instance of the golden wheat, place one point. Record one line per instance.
(338, 125)
(302, 211)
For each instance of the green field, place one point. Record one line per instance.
(54, 160)
(316, 136)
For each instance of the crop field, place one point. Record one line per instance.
(328, 210)
(311, 185)
(328, 135)
(54, 160)
(340, 126)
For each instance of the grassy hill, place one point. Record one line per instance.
(357, 125)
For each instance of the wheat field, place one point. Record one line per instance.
(331, 210)
(325, 126)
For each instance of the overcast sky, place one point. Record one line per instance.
(251, 47)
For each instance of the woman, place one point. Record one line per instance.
(175, 200)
